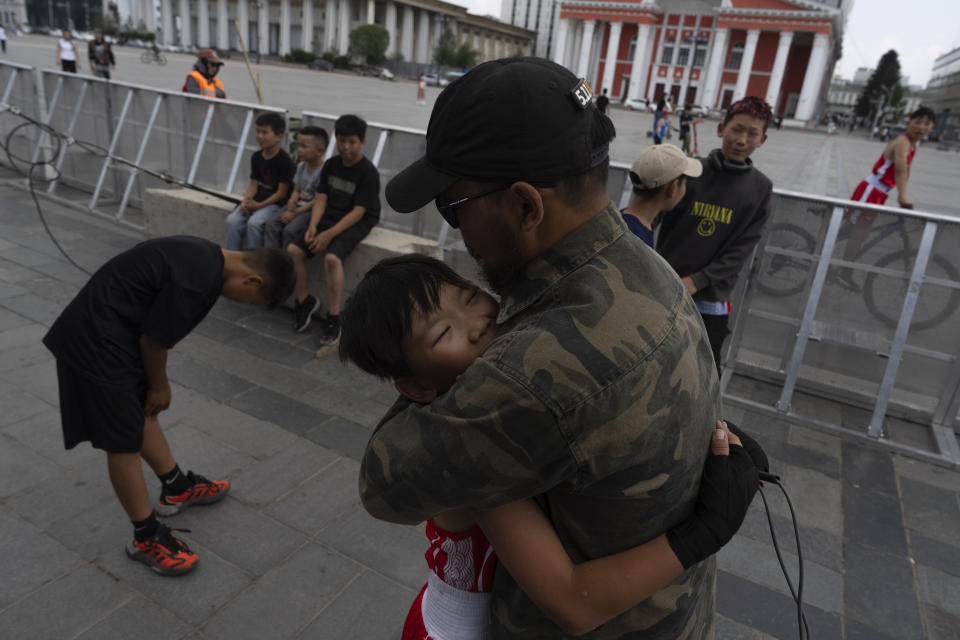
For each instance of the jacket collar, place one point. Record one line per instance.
(573, 250)
(720, 163)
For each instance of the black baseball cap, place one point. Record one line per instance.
(506, 120)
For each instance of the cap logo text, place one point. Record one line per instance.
(582, 94)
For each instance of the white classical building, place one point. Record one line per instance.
(277, 26)
(537, 15)
(12, 12)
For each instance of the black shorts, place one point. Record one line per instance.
(344, 244)
(111, 418)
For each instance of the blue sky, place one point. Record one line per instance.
(919, 30)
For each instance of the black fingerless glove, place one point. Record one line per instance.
(726, 489)
(752, 447)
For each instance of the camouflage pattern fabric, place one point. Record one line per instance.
(598, 399)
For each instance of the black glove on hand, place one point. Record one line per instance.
(752, 447)
(726, 489)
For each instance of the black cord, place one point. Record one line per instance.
(803, 627)
(48, 164)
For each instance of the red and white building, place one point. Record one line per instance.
(703, 52)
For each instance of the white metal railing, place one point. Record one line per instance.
(886, 348)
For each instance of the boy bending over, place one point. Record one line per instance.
(414, 320)
(111, 346)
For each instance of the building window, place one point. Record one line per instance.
(699, 56)
(736, 55)
(666, 52)
(633, 48)
(683, 56)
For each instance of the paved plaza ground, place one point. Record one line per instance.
(291, 553)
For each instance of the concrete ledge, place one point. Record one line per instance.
(170, 212)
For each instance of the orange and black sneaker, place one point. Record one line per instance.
(164, 553)
(202, 491)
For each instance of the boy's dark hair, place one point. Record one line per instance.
(273, 120)
(377, 318)
(649, 194)
(319, 135)
(276, 269)
(350, 125)
(923, 111)
(753, 106)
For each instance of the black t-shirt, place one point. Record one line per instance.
(160, 288)
(269, 174)
(347, 187)
(685, 120)
(602, 102)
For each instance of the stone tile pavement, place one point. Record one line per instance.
(291, 554)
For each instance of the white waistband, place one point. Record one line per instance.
(874, 182)
(452, 614)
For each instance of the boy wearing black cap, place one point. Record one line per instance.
(345, 209)
(567, 404)
(111, 347)
(710, 234)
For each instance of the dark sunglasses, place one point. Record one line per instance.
(449, 209)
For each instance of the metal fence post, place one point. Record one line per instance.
(110, 150)
(69, 132)
(140, 152)
(201, 142)
(813, 301)
(241, 145)
(903, 329)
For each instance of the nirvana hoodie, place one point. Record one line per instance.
(710, 234)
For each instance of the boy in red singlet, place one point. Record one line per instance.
(891, 170)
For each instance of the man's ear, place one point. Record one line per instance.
(720, 129)
(763, 139)
(253, 279)
(410, 388)
(530, 204)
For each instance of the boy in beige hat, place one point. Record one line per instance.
(659, 177)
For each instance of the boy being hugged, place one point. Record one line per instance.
(111, 346)
(345, 209)
(271, 171)
(710, 234)
(416, 321)
(292, 223)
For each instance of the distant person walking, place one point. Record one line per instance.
(421, 90)
(3, 39)
(101, 56)
(202, 79)
(603, 102)
(67, 52)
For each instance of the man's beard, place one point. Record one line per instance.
(511, 259)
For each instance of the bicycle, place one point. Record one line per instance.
(784, 271)
(149, 56)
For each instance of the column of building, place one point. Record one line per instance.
(746, 64)
(185, 34)
(223, 26)
(330, 26)
(586, 44)
(166, 21)
(203, 24)
(390, 18)
(423, 36)
(560, 42)
(718, 56)
(306, 26)
(813, 79)
(406, 37)
(610, 66)
(641, 63)
(779, 66)
(343, 31)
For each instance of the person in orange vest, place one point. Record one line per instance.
(202, 80)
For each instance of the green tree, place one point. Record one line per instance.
(370, 42)
(446, 51)
(465, 57)
(883, 88)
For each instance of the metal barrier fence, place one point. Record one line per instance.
(885, 349)
(187, 137)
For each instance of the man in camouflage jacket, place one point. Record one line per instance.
(599, 396)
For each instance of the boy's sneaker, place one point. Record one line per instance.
(303, 312)
(202, 491)
(163, 553)
(330, 333)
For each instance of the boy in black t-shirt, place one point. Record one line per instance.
(271, 172)
(345, 209)
(111, 346)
